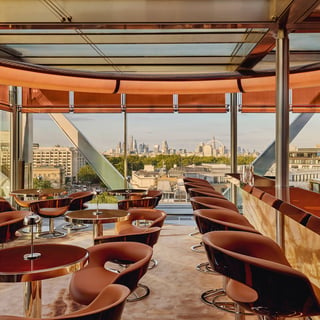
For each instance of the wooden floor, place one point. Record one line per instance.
(175, 284)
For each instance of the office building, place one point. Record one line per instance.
(67, 158)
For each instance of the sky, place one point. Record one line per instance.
(105, 131)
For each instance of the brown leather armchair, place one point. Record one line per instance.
(148, 217)
(5, 205)
(51, 208)
(10, 223)
(211, 203)
(154, 194)
(109, 304)
(205, 192)
(145, 202)
(261, 279)
(148, 236)
(209, 220)
(78, 202)
(86, 283)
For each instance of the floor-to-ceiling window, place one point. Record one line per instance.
(5, 153)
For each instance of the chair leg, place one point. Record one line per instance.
(153, 263)
(196, 247)
(75, 226)
(206, 268)
(213, 298)
(52, 233)
(141, 292)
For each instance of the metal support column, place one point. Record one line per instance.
(15, 139)
(234, 141)
(125, 139)
(282, 126)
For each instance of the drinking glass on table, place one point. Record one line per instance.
(97, 191)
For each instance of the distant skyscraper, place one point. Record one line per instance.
(156, 148)
(131, 145)
(119, 148)
(164, 147)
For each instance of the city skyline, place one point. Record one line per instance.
(104, 131)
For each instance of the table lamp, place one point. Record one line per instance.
(31, 220)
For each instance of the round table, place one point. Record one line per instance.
(126, 192)
(90, 216)
(55, 260)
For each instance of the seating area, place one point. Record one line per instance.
(258, 278)
(153, 261)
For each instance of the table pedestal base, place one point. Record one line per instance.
(97, 230)
(32, 299)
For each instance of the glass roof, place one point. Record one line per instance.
(203, 37)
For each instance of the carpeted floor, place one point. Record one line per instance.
(175, 284)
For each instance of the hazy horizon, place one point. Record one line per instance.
(181, 131)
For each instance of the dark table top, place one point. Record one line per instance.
(55, 260)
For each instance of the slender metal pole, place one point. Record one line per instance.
(125, 156)
(234, 142)
(14, 138)
(282, 126)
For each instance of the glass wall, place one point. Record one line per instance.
(5, 154)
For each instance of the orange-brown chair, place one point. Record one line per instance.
(5, 205)
(148, 236)
(211, 203)
(86, 284)
(109, 304)
(190, 185)
(204, 192)
(209, 220)
(78, 202)
(261, 279)
(145, 202)
(154, 194)
(139, 218)
(198, 181)
(220, 219)
(10, 223)
(51, 208)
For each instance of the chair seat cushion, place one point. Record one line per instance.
(85, 286)
(53, 212)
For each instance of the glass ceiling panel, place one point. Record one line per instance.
(137, 60)
(198, 49)
(304, 42)
(128, 38)
(126, 31)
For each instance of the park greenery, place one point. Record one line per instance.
(135, 162)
